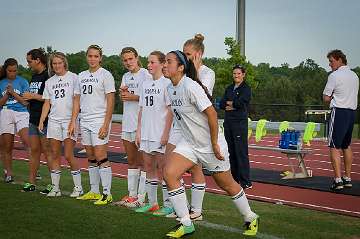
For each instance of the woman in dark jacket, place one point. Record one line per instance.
(235, 102)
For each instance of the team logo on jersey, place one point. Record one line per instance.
(91, 75)
(174, 93)
(60, 80)
(153, 85)
(132, 78)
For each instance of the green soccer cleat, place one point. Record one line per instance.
(90, 196)
(181, 230)
(163, 211)
(251, 228)
(148, 208)
(104, 200)
(47, 189)
(28, 187)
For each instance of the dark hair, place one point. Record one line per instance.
(337, 54)
(159, 55)
(130, 49)
(242, 68)
(8, 62)
(196, 42)
(95, 47)
(189, 69)
(38, 53)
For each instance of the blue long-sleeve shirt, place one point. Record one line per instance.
(240, 96)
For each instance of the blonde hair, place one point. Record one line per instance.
(196, 42)
(130, 49)
(161, 56)
(51, 59)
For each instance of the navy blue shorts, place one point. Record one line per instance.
(34, 131)
(341, 125)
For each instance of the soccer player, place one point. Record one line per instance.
(14, 117)
(197, 120)
(37, 61)
(129, 94)
(58, 96)
(94, 96)
(152, 134)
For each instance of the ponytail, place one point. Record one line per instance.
(190, 70)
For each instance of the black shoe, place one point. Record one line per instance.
(28, 187)
(337, 186)
(247, 186)
(347, 183)
(47, 189)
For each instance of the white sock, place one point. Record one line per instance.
(338, 180)
(94, 179)
(197, 196)
(133, 181)
(76, 175)
(243, 206)
(178, 200)
(106, 176)
(141, 189)
(55, 179)
(165, 195)
(151, 190)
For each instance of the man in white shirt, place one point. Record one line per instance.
(341, 91)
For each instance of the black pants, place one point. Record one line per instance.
(236, 133)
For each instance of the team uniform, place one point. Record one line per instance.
(154, 101)
(188, 101)
(343, 86)
(14, 115)
(131, 108)
(92, 88)
(60, 91)
(207, 78)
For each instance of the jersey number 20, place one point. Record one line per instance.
(87, 89)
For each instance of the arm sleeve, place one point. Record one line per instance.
(109, 83)
(198, 97)
(330, 85)
(46, 93)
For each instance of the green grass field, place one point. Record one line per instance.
(32, 215)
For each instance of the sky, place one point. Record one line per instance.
(277, 31)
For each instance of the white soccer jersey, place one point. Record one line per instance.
(131, 108)
(207, 78)
(60, 91)
(154, 99)
(92, 88)
(188, 101)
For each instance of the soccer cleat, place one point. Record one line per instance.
(148, 208)
(47, 189)
(104, 200)
(251, 228)
(181, 230)
(164, 211)
(90, 196)
(8, 179)
(28, 187)
(125, 200)
(196, 216)
(134, 203)
(77, 192)
(337, 186)
(38, 176)
(346, 183)
(54, 193)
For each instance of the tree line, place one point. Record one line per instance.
(278, 93)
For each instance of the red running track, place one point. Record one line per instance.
(318, 161)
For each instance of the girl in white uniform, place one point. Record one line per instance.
(58, 95)
(197, 120)
(129, 95)
(194, 49)
(154, 124)
(94, 97)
